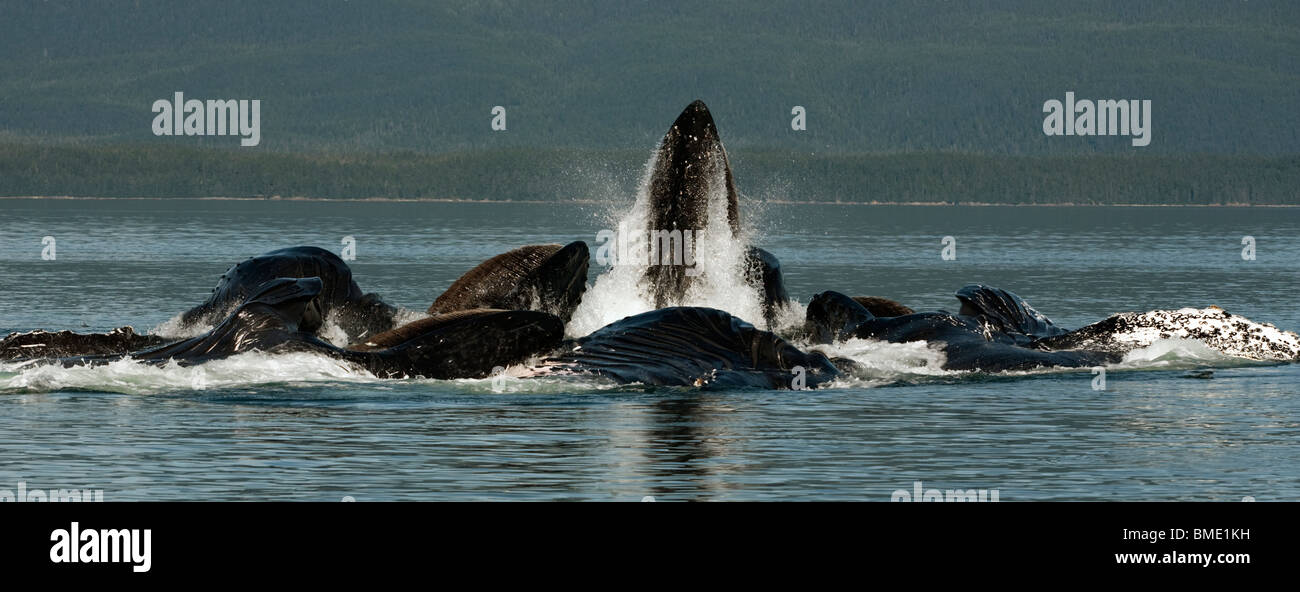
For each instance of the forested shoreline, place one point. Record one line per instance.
(519, 174)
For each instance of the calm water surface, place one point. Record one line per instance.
(301, 429)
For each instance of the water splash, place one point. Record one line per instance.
(134, 377)
(881, 363)
(261, 370)
(891, 361)
(720, 259)
(176, 328)
(1178, 354)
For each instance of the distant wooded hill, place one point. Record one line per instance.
(394, 75)
(567, 174)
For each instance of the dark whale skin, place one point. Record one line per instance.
(994, 334)
(358, 314)
(57, 344)
(694, 347)
(690, 166)
(550, 278)
(284, 313)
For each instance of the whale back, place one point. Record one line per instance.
(35, 345)
(883, 307)
(413, 329)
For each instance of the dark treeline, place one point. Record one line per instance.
(562, 174)
(874, 75)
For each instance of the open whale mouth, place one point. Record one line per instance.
(312, 317)
(556, 286)
(296, 302)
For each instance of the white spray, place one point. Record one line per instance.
(719, 273)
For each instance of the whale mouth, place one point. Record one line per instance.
(312, 318)
(558, 283)
(298, 302)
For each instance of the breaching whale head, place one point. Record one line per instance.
(832, 316)
(691, 168)
(549, 278)
(690, 174)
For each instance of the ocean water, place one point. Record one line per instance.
(301, 427)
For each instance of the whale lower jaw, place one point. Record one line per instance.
(1230, 334)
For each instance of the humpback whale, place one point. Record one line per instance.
(691, 183)
(356, 313)
(883, 307)
(991, 333)
(488, 318)
(997, 331)
(547, 278)
(59, 344)
(512, 309)
(551, 278)
(1231, 334)
(693, 346)
(340, 299)
(283, 314)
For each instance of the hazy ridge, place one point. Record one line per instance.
(571, 174)
(914, 101)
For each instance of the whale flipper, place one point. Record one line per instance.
(694, 346)
(549, 278)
